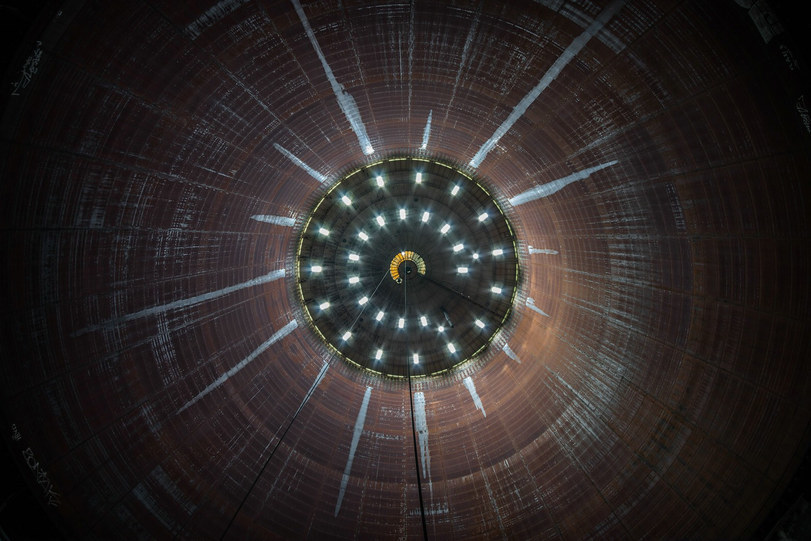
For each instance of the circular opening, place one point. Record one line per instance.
(407, 265)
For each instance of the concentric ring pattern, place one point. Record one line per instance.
(159, 378)
(407, 267)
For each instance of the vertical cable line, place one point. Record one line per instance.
(273, 452)
(369, 302)
(411, 403)
(295, 415)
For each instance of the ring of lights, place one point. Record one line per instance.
(407, 266)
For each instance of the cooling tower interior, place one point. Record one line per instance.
(311, 269)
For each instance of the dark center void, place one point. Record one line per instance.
(407, 265)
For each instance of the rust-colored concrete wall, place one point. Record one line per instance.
(653, 382)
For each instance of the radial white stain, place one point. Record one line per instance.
(510, 353)
(285, 221)
(533, 251)
(421, 426)
(356, 433)
(427, 131)
(183, 303)
(551, 74)
(531, 305)
(318, 379)
(278, 335)
(462, 64)
(310, 392)
(545, 190)
(345, 100)
(293, 158)
(471, 387)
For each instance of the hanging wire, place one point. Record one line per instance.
(411, 403)
(369, 302)
(275, 447)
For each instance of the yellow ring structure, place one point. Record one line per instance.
(408, 255)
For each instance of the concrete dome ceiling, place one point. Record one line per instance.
(159, 158)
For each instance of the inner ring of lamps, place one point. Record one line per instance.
(452, 244)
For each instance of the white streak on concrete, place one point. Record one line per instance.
(278, 335)
(549, 188)
(583, 20)
(211, 16)
(275, 220)
(182, 303)
(542, 251)
(510, 353)
(293, 158)
(318, 379)
(471, 387)
(353, 447)
(29, 69)
(551, 74)
(345, 99)
(421, 424)
(471, 34)
(531, 304)
(427, 131)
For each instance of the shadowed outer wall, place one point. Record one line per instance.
(655, 380)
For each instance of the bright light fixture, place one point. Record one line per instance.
(363, 300)
(380, 221)
(495, 289)
(498, 251)
(402, 214)
(480, 323)
(324, 305)
(461, 270)
(346, 335)
(346, 200)
(379, 354)
(379, 181)
(440, 329)
(455, 190)
(354, 257)
(451, 348)
(425, 216)
(423, 321)
(363, 235)
(323, 231)
(445, 229)
(380, 315)
(476, 255)
(354, 279)
(419, 178)
(482, 216)
(458, 247)
(316, 268)
(416, 358)
(400, 323)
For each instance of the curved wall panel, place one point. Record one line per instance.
(159, 159)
